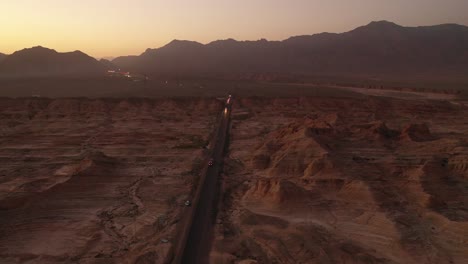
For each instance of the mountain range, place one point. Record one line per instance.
(39, 61)
(378, 48)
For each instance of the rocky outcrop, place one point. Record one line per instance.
(345, 181)
(417, 133)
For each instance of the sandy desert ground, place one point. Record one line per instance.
(334, 180)
(97, 181)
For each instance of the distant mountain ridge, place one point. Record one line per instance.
(39, 61)
(378, 48)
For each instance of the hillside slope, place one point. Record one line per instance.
(40, 61)
(2, 56)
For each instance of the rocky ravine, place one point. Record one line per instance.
(97, 181)
(321, 180)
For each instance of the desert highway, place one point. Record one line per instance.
(195, 244)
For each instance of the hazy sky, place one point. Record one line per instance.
(123, 27)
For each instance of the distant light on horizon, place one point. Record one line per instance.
(110, 28)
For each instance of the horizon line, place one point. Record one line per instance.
(237, 40)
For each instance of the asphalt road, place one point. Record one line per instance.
(197, 247)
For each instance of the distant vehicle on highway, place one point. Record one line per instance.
(211, 162)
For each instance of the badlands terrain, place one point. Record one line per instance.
(345, 180)
(98, 180)
(337, 176)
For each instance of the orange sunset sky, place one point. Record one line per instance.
(111, 28)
